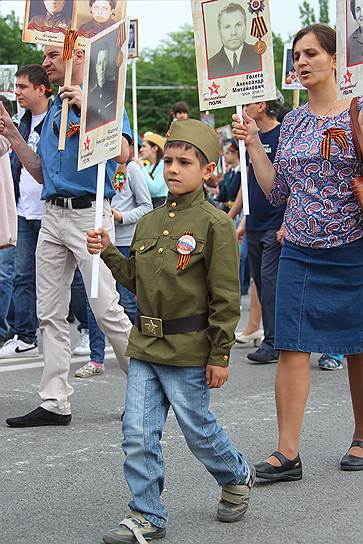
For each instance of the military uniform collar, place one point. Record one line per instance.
(181, 202)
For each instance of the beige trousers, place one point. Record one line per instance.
(61, 247)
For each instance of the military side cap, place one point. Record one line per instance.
(155, 139)
(198, 134)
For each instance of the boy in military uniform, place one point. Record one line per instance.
(184, 269)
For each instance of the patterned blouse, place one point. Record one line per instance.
(322, 211)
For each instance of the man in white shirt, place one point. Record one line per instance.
(32, 92)
(236, 56)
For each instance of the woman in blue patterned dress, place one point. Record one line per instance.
(319, 299)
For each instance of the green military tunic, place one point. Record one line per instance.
(209, 283)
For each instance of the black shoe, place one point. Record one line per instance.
(264, 355)
(38, 418)
(289, 471)
(352, 462)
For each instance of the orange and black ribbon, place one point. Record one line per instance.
(70, 39)
(73, 129)
(259, 27)
(337, 134)
(184, 260)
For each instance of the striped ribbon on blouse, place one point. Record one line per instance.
(337, 134)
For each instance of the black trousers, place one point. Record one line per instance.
(263, 255)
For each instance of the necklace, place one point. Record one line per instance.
(326, 115)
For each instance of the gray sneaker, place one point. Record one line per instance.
(134, 528)
(88, 370)
(235, 498)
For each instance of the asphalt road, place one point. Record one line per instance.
(66, 485)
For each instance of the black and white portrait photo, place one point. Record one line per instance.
(7, 80)
(97, 16)
(354, 32)
(103, 82)
(228, 50)
(133, 49)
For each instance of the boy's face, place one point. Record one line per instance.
(183, 172)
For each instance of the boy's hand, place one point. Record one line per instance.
(216, 376)
(97, 240)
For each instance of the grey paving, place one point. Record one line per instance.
(66, 486)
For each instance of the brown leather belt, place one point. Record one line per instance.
(153, 326)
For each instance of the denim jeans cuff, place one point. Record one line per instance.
(158, 522)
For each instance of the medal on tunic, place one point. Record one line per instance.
(185, 246)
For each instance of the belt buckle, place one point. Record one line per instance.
(151, 326)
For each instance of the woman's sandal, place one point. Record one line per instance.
(289, 471)
(352, 462)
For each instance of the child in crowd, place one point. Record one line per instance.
(183, 268)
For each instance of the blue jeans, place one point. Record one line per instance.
(96, 336)
(24, 291)
(7, 274)
(151, 390)
(243, 260)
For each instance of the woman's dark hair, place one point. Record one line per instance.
(7, 104)
(178, 107)
(111, 2)
(325, 35)
(159, 156)
(37, 76)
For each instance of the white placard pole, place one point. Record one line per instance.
(100, 195)
(242, 157)
(134, 109)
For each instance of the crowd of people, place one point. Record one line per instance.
(172, 273)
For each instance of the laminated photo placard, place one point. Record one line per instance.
(46, 21)
(234, 52)
(104, 96)
(290, 80)
(349, 48)
(7, 80)
(133, 48)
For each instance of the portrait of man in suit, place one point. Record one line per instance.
(102, 94)
(235, 56)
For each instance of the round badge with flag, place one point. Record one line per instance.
(186, 244)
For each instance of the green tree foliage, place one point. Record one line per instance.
(12, 49)
(307, 13)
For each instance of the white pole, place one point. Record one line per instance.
(134, 109)
(242, 157)
(100, 194)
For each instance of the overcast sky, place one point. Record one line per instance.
(159, 17)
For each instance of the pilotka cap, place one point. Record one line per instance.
(198, 134)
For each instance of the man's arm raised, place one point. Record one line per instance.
(30, 160)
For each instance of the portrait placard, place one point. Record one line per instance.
(290, 80)
(234, 52)
(7, 80)
(95, 16)
(349, 48)
(46, 21)
(133, 50)
(104, 96)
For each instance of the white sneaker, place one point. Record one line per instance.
(17, 348)
(83, 346)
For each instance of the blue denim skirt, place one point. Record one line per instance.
(319, 299)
